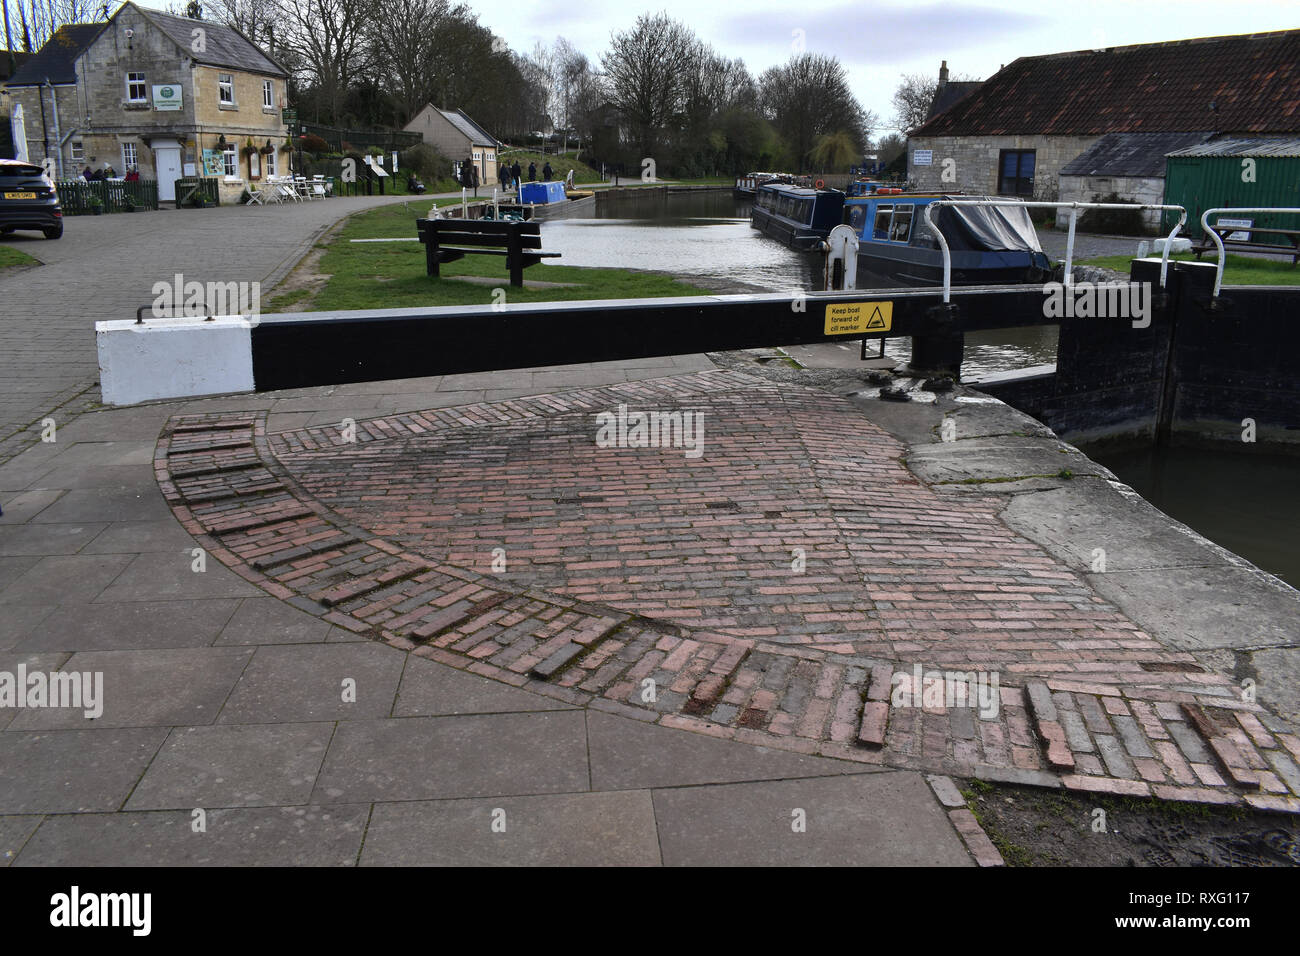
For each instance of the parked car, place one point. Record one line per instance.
(28, 200)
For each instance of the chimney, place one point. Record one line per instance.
(943, 74)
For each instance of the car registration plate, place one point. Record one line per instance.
(20, 195)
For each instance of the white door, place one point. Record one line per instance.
(168, 162)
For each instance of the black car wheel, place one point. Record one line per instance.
(54, 233)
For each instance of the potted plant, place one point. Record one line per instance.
(128, 203)
(249, 149)
(95, 204)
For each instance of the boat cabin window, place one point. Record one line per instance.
(857, 218)
(881, 229)
(901, 230)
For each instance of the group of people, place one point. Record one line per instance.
(511, 175)
(98, 175)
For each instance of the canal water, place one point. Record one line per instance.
(1244, 502)
(705, 238)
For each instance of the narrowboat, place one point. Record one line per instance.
(989, 245)
(550, 200)
(798, 216)
(748, 184)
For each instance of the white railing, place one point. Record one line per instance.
(1218, 240)
(1074, 208)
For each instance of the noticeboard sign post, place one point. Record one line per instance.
(922, 157)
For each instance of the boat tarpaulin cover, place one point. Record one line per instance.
(987, 229)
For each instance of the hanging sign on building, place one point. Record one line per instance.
(167, 97)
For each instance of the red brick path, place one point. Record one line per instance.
(777, 589)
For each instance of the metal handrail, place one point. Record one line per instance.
(1074, 208)
(1218, 241)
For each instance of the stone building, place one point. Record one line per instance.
(1020, 131)
(456, 136)
(168, 95)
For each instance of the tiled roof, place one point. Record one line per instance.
(1243, 147)
(225, 46)
(57, 58)
(19, 59)
(1130, 154)
(950, 93)
(1240, 84)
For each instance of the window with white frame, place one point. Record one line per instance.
(128, 157)
(226, 89)
(272, 163)
(136, 90)
(78, 151)
(268, 95)
(230, 161)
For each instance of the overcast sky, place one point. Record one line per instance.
(880, 41)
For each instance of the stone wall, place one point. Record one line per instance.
(1139, 189)
(974, 166)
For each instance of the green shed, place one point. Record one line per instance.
(1236, 172)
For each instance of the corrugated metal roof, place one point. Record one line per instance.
(1130, 154)
(1243, 147)
(1246, 84)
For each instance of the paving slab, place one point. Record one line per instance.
(132, 537)
(234, 765)
(162, 575)
(47, 539)
(270, 836)
(23, 506)
(149, 688)
(421, 758)
(876, 819)
(298, 683)
(10, 663)
(431, 689)
(75, 579)
(129, 625)
(138, 502)
(14, 833)
(572, 829)
(266, 620)
(72, 771)
(19, 620)
(628, 754)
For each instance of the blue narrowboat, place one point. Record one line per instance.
(797, 216)
(990, 245)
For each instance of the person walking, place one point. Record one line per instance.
(504, 176)
(516, 174)
(532, 172)
(547, 172)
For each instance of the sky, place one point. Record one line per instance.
(879, 42)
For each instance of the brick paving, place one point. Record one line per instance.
(782, 588)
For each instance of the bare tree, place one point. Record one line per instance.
(914, 97)
(328, 37)
(35, 21)
(645, 67)
(808, 98)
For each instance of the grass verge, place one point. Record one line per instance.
(1238, 270)
(392, 274)
(10, 256)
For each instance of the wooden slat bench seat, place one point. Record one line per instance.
(446, 240)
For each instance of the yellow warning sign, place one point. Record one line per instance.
(856, 318)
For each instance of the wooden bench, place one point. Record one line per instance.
(446, 240)
(1293, 236)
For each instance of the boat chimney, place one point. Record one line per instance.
(943, 74)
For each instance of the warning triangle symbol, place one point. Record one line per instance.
(877, 321)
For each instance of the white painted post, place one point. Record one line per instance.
(1069, 249)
